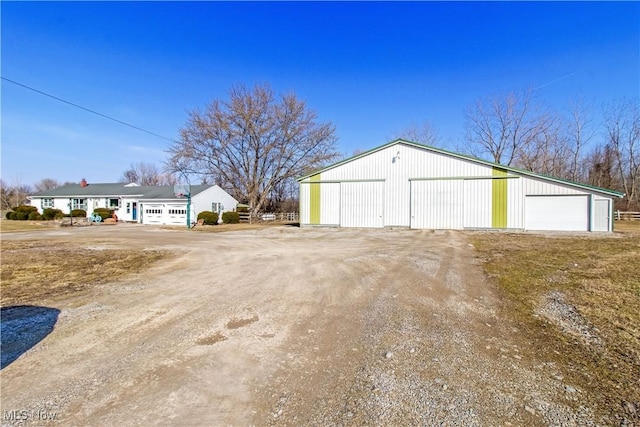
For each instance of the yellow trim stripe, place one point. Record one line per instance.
(499, 199)
(314, 200)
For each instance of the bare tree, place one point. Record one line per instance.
(601, 165)
(46, 184)
(284, 197)
(147, 174)
(505, 127)
(13, 195)
(424, 133)
(6, 194)
(579, 133)
(622, 124)
(252, 142)
(546, 153)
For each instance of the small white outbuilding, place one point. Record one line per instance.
(406, 184)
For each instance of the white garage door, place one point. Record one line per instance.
(362, 204)
(164, 214)
(562, 213)
(436, 204)
(152, 213)
(175, 214)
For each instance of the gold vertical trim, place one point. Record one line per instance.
(314, 200)
(499, 199)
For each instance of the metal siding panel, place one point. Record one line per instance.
(477, 203)
(437, 204)
(536, 187)
(362, 204)
(330, 205)
(410, 162)
(304, 204)
(557, 213)
(515, 208)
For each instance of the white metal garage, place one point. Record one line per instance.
(405, 184)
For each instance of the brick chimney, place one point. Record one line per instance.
(83, 183)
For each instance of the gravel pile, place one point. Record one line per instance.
(558, 311)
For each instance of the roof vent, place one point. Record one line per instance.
(83, 183)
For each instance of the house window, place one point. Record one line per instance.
(113, 203)
(128, 207)
(46, 203)
(216, 207)
(79, 204)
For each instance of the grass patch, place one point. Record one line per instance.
(8, 226)
(627, 227)
(600, 280)
(36, 270)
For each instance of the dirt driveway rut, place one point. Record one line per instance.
(288, 326)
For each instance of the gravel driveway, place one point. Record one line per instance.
(288, 326)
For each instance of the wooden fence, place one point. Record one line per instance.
(626, 216)
(268, 217)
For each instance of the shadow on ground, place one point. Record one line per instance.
(22, 327)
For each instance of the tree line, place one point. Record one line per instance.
(597, 145)
(256, 142)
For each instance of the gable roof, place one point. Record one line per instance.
(471, 159)
(118, 190)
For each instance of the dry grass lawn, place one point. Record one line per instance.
(9, 226)
(600, 279)
(627, 227)
(230, 227)
(35, 270)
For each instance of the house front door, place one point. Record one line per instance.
(134, 212)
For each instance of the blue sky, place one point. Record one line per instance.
(370, 68)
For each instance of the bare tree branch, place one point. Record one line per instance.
(253, 143)
(507, 128)
(147, 174)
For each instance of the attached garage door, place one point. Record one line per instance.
(562, 213)
(164, 214)
(152, 213)
(437, 204)
(175, 214)
(362, 204)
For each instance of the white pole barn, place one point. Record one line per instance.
(406, 184)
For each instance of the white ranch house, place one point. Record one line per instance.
(406, 184)
(136, 203)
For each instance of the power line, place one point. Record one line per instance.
(86, 109)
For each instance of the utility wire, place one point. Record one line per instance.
(87, 109)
